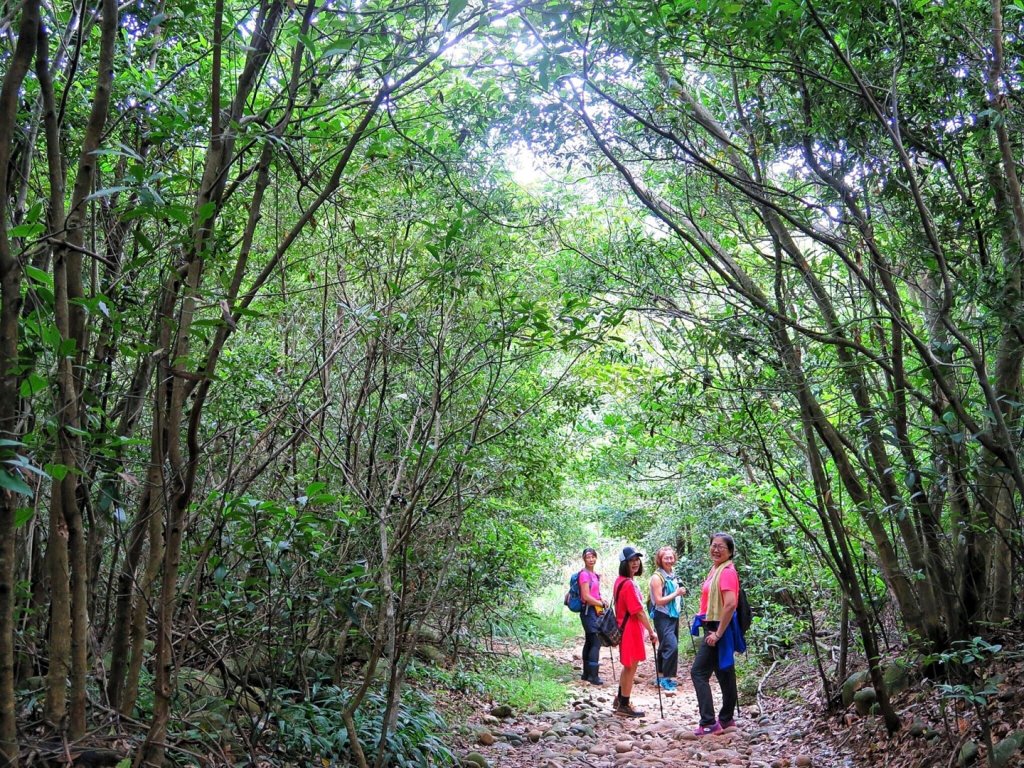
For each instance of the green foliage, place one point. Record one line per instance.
(967, 664)
(528, 683)
(549, 623)
(313, 727)
(543, 689)
(403, 372)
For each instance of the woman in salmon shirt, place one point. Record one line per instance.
(629, 607)
(722, 638)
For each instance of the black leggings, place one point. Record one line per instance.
(705, 664)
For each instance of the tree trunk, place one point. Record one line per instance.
(10, 313)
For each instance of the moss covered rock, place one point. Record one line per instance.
(854, 683)
(897, 676)
(1004, 753)
(864, 699)
(968, 754)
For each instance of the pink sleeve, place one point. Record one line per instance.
(729, 581)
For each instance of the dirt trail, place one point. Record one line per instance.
(587, 733)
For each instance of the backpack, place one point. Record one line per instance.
(609, 630)
(573, 601)
(744, 615)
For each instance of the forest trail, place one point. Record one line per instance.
(586, 733)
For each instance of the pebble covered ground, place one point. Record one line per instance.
(587, 733)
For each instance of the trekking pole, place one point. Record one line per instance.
(657, 678)
(615, 675)
(682, 610)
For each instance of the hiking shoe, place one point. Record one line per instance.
(595, 680)
(627, 710)
(726, 724)
(707, 730)
(668, 685)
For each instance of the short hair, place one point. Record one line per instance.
(729, 543)
(661, 553)
(589, 551)
(624, 567)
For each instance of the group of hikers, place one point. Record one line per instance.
(716, 623)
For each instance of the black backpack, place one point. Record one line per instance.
(744, 615)
(609, 629)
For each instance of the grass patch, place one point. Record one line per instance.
(528, 683)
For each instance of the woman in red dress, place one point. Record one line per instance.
(629, 607)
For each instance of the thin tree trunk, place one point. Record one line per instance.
(143, 600)
(10, 312)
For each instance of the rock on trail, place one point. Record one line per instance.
(589, 734)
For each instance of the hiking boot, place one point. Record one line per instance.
(595, 680)
(707, 730)
(625, 709)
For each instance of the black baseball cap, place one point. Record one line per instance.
(628, 553)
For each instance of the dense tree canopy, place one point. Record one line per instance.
(295, 373)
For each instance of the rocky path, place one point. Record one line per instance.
(588, 734)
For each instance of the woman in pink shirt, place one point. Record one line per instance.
(593, 606)
(718, 599)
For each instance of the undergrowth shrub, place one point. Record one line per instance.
(528, 683)
(313, 727)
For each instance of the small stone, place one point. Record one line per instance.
(534, 735)
(624, 746)
(477, 759)
(725, 756)
(502, 711)
(804, 761)
(917, 728)
(486, 738)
